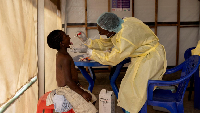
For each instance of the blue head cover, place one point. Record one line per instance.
(110, 21)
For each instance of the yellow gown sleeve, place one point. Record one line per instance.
(100, 44)
(196, 51)
(118, 53)
(133, 35)
(122, 49)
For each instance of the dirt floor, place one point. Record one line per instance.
(102, 82)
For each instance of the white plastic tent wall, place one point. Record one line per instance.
(18, 63)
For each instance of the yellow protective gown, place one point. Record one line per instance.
(196, 51)
(148, 61)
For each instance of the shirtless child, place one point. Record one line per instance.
(67, 76)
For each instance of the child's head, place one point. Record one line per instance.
(58, 38)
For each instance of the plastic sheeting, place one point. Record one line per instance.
(95, 9)
(188, 38)
(145, 10)
(52, 22)
(167, 37)
(75, 11)
(18, 29)
(167, 10)
(189, 10)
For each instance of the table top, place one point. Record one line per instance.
(93, 63)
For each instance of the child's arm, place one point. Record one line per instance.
(66, 68)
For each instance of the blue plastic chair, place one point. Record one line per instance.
(187, 54)
(165, 98)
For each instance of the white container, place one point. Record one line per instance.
(106, 101)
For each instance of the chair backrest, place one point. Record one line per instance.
(191, 65)
(188, 53)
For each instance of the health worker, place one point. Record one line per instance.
(129, 37)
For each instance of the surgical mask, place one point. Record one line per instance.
(104, 36)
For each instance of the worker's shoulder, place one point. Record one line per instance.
(132, 20)
(133, 24)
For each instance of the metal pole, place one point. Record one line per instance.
(66, 16)
(40, 48)
(63, 13)
(18, 93)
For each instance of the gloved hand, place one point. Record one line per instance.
(82, 49)
(89, 52)
(81, 35)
